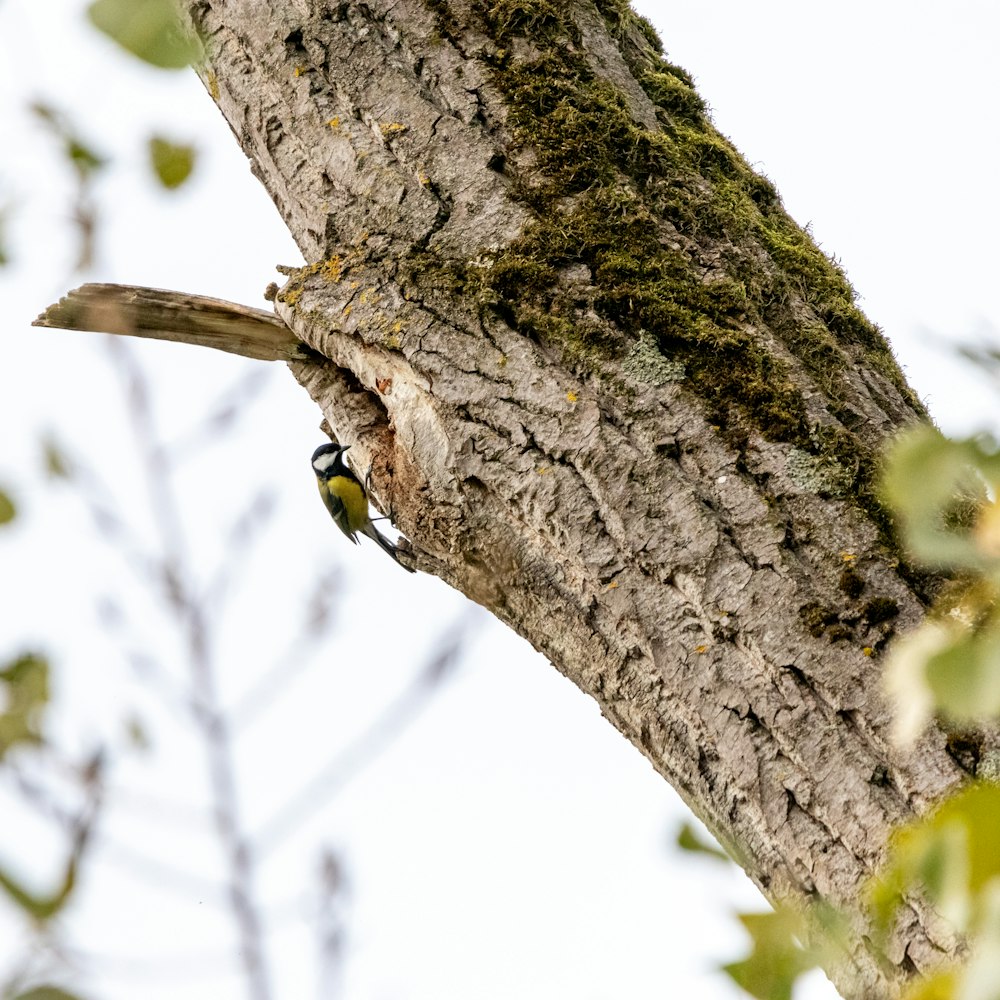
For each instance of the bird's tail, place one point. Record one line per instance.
(384, 544)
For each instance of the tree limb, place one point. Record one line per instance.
(175, 316)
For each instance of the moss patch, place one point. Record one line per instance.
(880, 609)
(688, 248)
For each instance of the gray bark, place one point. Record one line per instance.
(668, 496)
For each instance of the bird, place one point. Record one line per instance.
(346, 499)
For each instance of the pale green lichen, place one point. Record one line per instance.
(988, 767)
(816, 474)
(646, 363)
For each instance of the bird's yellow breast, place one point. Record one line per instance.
(352, 496)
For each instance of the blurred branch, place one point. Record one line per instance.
(126, 856)
(277, 681)
(332, 935)
(231, 404)
(85, 163)
(209, 718)
(175, 316)
(43, 907)
(238, 546)
(394, 718)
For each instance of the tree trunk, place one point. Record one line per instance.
(612, 393)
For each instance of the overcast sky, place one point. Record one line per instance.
(509, 843)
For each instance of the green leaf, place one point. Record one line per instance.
(689, 839)
(24, 684)
(981, 977)
(84, 160)
(149, 29)
(7, 509)
(938, 488)
(39, 907)
(942, 985)
(951, 854)
(171, 163)
(776, 960)
(57, 465)
(46, 993)
(964, 678)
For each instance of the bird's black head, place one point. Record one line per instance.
(326, 456)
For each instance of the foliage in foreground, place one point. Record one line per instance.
(945, 496)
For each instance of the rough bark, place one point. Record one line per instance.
(612, 393)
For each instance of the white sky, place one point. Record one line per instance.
(510, 843)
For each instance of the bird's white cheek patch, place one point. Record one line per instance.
(324, 462)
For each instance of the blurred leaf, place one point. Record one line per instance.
(149, 29)
(951, 854)
(56, 463)
(4, 252)
(84, 160)
(939, 986)
(964, 678)
(776, 959)
(25, 685)
(7, 509)
(689, 839)
(981, 978)
(136, 734)
(937, 487)
(172, 163)
(905, 677)
(40, 908)
(46, 993)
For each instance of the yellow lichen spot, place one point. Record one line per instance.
(353, 285)
(397, 327)
(393, 343)
(213, 85)
(369, 296)
(347, 310)
(700, 649)
(423, 180)
(502, 363)
(571, 396)
(291, 297)
(868, 651)
(612, 586)
(848, 557)
(391, 129)
(332, 269)
(334, 122)
(541, 470)
(299, 70)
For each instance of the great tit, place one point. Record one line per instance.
(346, 499)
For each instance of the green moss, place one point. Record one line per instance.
(645, 26)
(817, 619)
(673, 94)
(530, 18)
(602, 186)
(880, 609)
(851, 583)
